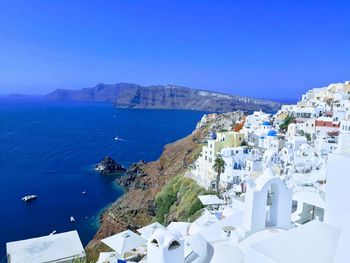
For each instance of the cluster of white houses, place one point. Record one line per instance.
(284, 188)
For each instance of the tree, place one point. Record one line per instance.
(244, 143)
(219, 168)
(308, 136)
(288, 120)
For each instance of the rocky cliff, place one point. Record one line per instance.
(144, 180)
(125, 95)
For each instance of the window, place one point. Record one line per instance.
(155, 242)
(174, 245)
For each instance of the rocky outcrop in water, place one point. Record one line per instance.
(109, 167)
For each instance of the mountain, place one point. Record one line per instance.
(126, 95)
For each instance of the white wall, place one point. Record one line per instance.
(161, 253)
(322, 131)
(342, 252)
(253, 256)
(337, 189)
(337, 201)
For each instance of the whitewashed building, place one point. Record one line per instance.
(61, 248)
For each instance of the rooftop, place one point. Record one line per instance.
(312, 242)
(52, 248)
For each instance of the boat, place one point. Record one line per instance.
(119, 139)
(53, 232)
(72, 219)
(83, 192)
(29, 198)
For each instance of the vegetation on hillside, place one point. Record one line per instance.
(288, 120)
(308, 136)
(178, 200)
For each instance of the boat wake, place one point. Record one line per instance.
(119, 139)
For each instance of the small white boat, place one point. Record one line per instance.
(72, 219)
(119, 139)
(29, 198)
(53, 232)
(83, 192)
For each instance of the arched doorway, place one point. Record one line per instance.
(272, 197)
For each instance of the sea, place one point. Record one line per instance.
(50, 149)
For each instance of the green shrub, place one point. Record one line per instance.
(179, 198)
(308, 136)
(288, 120)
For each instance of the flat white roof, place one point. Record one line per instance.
(312, 242)
(148, 231)
(210, 199)
(305, 110)
(298, 138)
(258, 237)
(52, 248)
(227, 251)
(310, 196)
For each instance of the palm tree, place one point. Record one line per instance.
(219, 168)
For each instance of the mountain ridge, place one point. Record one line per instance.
(134, 96)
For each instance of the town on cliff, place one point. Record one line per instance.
(242, 188)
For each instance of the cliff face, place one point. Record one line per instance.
(125, 95)
(144, 180)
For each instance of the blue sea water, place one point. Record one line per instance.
(49, 149)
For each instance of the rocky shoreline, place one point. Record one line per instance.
(142, 181)
(130, 178)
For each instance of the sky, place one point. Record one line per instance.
(270, 49)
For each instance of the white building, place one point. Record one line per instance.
(254, 120)
(294, 142)
(202, 171)
(60, 248)
(235, 159)
(303, 114)
(324, 146)
(163, 246)
(344, 136)
(326, 127)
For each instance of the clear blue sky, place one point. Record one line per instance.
(274, 49)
